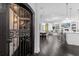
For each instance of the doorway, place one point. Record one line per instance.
(21, 33)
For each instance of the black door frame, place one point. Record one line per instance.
(27, 7)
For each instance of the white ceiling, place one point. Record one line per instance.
(55, 11)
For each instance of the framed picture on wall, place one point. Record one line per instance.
(73, 27)
(66, 25)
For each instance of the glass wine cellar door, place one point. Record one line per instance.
(19, 31)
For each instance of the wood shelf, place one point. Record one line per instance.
(21, 18)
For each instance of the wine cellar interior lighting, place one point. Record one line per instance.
(19, 27)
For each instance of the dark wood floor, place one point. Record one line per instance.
(73, 49)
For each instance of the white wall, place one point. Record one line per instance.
(37, 37)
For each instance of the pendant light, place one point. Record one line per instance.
(70, 12)
(66, 10)
(78, 13)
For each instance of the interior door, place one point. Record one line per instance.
(13, 28)
(24, 32)
(20, 27)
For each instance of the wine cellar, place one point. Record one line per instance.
(17, 31)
